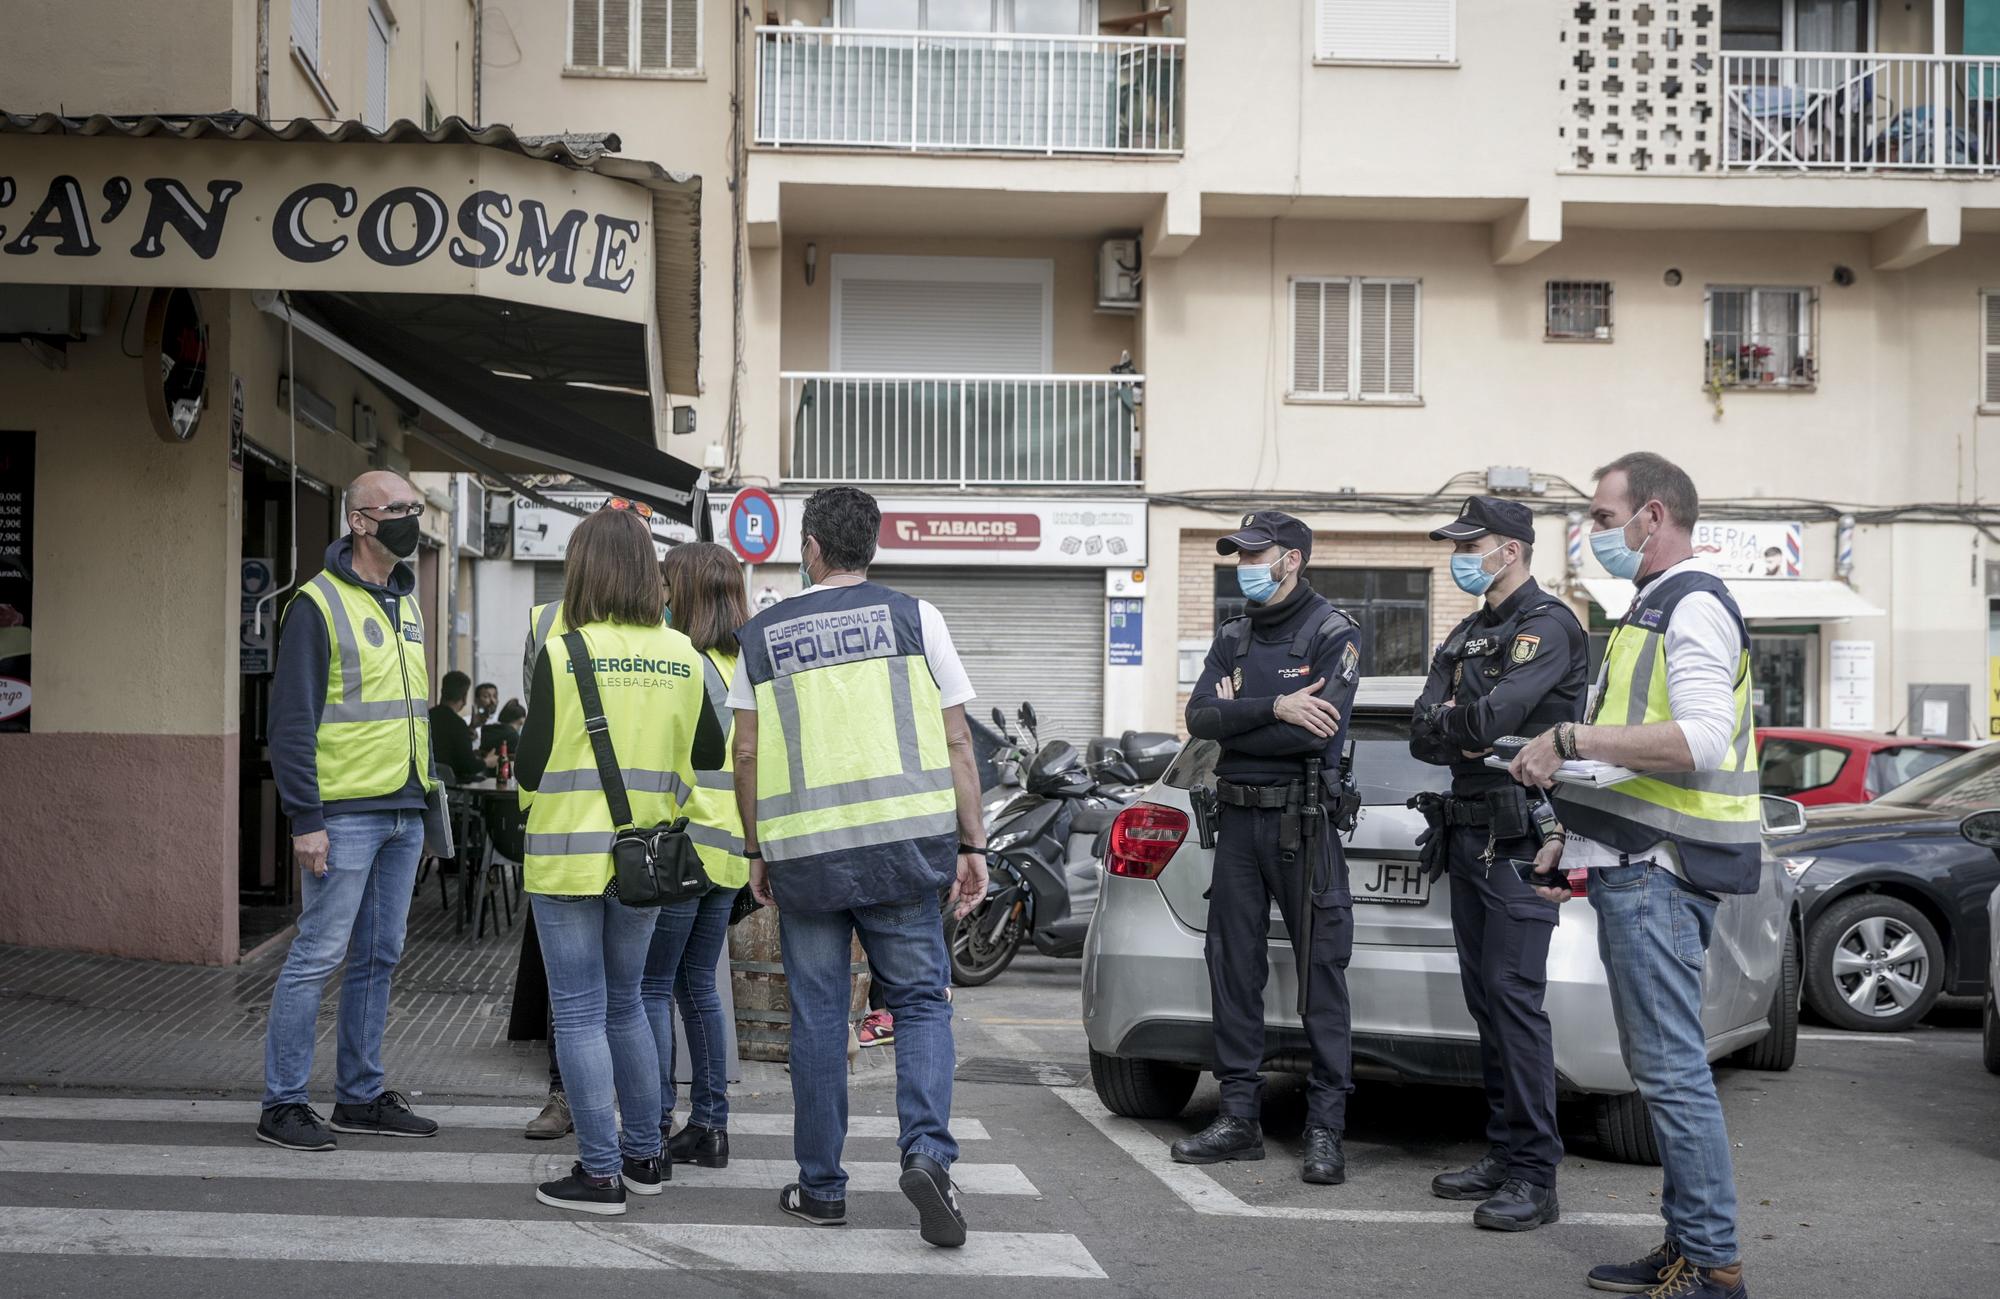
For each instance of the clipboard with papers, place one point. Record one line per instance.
(1578, 771)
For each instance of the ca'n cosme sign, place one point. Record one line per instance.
(375, 218)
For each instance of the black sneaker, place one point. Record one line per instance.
(388, 1115)
(820, 1213)
(647, 1176)
(1637, 1277)
(585, 1194)
(926, 1185)
(294, 1127)
(695, 1144)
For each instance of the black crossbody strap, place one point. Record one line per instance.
(608, 774)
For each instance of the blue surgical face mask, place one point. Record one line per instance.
(805, 577)
(1619, 559)
(1256, 582)
(1469, 571)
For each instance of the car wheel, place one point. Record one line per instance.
(1141, 1089)
(1874, 964)
(1775, 1051)
(1990, 1033)
(1624, 1128)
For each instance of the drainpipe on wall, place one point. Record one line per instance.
(264, 60)
(478, 54)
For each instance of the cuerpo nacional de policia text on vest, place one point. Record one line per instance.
(649, 679)
(376, 722)
(855, 805)
(713, 821)
(1713, 818)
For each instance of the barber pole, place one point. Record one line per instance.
(1574, 521)
(1843, 547)
(1795, 535)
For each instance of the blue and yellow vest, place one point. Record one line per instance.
(855, 804)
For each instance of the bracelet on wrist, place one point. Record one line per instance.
(967, 850)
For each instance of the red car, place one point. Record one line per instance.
(1818, 767)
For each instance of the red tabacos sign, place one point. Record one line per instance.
(961, 532)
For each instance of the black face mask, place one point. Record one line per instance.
(399, 536)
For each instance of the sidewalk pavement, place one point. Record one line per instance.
(106, 1023)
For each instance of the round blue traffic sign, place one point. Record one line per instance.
(753, 525)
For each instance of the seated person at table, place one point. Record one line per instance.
(505, 731)
(451, 738)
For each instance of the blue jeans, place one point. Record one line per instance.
(687, 943)
(594, 950)
(905, 945)
(1653, 933)
(357, 912)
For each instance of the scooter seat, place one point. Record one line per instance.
(1091, 820)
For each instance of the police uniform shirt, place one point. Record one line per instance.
(954, 687)
(1257, 749)
(1498, 676)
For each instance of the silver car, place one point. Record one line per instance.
(1145, 983)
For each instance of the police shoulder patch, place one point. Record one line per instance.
(1350, 662)
(1525, 648)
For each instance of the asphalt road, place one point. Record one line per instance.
(1873, 1168)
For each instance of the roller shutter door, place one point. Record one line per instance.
(548, 581)
(1033, 634)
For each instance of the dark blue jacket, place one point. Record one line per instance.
(1291, 645)
(298, 697)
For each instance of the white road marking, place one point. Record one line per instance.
(402, 1164)
(1855, 1037)
(622, 1244)
(1204, 1194)
(160, 1110)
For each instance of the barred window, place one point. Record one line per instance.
(1762, 337)
(1578, 310)
(637, 36)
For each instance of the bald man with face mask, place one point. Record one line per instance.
(351, 754)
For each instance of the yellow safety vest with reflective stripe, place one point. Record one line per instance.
(544, 621)
(1713, 818)
(713, 821)
(855, 804)
(649, 680)
(376, 721)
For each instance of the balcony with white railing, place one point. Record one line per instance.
(865, 88)
(1859, 113)
(963, 430)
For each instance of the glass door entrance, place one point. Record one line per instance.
(1783, 668)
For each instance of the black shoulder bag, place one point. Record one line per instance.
(653, 867)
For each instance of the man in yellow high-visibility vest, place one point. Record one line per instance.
(1672, 703)
(351, 755)
(860, 806)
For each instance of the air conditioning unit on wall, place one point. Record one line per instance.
(1118, 275)
(470, 515)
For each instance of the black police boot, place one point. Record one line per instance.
(1478, 1182)
(1518, 1206)
(695, 1144)
(1227, 1138)
(1325, 1163)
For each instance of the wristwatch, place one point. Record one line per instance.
(753, 854)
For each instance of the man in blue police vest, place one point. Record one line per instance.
(1516, 666)
(1276, 693)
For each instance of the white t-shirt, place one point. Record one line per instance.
(1704, 650)
(954, 686)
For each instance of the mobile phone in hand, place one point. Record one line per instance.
(1525, 868)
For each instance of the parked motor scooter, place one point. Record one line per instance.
(1044, 846)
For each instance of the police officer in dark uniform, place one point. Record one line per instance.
(1516, 667)
(1276, 693)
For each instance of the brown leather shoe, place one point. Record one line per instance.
(552, 1122)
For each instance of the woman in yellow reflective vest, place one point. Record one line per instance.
(661, 727)
(706, 602)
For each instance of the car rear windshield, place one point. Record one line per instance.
(1383, 767)
(1971, 780)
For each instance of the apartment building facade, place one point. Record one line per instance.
(1019, 264)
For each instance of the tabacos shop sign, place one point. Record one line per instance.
(1076, 533)
(961, 532)
(364, 218)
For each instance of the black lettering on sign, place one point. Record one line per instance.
(552, 251)
(60, 217)
(614, 238)
(476, 222)
(288, 230)
(117, 193)
(172, 205)
(374, 232)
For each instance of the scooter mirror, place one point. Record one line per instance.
(999, 720)
(1028, 716)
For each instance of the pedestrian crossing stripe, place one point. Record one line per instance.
(449, 1117)
(620, 1244)
(406, 1165)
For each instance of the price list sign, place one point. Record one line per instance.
(17, 554)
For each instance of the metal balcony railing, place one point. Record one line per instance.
(964, 430)
(1859, 112)
(946, 91)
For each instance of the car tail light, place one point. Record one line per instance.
(1579, 882)
(1144, 839)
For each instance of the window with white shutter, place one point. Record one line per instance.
(305, 30)
(1989, 347)
(375, 107)
(1387, 31)
(635, 37)
(1355, 338)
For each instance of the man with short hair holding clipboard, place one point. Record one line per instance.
(1671, 704)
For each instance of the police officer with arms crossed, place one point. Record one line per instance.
(1516, 666)
(1275, 693)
